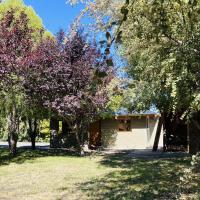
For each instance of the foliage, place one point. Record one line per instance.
(69, 70)
(160, 41)
(3, 129)
(190, 178)
(17, 41)
(15, 44)
(44, 126)
(164, 54)
(196, 162)
(124, 96)
(34, 21)
(44, 130)
(68, 77)
(115, 96)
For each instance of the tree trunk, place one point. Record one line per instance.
(12, 132)
(78, 134)
(194, 136)
(33, 129)
(13, 144)
(196, 123)
(65, 128)
(54, 128)
(33, 142)
(158, 132)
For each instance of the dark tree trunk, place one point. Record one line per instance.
(196, 123)
(69, 133)
(13, 126)
(54, 128)
(33, 130)
(79, 146)
(175, 132)
(84, 129)
(13, 144)
(33, 142)
(65, 128)
(78, 136)
(194, 135)
(75, 133)
(158, 132)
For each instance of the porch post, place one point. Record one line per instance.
(147, 127)
(188, 137)
(158, 133)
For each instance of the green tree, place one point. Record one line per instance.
(17, 39)
(160, 41)
(35, 21)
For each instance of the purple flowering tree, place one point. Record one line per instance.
(15, 47)
(69, 77)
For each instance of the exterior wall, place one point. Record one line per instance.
(140, 136)
(152, 128)
(139, 132)
(108, 132)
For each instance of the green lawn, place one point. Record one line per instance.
(53, 175)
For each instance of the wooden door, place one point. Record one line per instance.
(95, 135)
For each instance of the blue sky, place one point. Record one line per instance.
(55, 14)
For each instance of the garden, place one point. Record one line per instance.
(131, 57)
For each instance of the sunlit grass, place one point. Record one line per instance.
(64, 175)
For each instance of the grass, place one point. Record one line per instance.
(57, 175)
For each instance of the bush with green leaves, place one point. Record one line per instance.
(196, 163)
(189, 179)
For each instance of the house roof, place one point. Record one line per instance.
(137, 115)
(124, 113)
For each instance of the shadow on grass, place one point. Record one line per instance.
(137, 178)
(125, 159)
(27, 154)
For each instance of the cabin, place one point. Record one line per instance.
(133, 131)
(125, 132)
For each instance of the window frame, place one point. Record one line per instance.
(126, 122)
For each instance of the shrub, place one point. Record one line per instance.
(196, 163)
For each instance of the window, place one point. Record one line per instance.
(124, 125)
